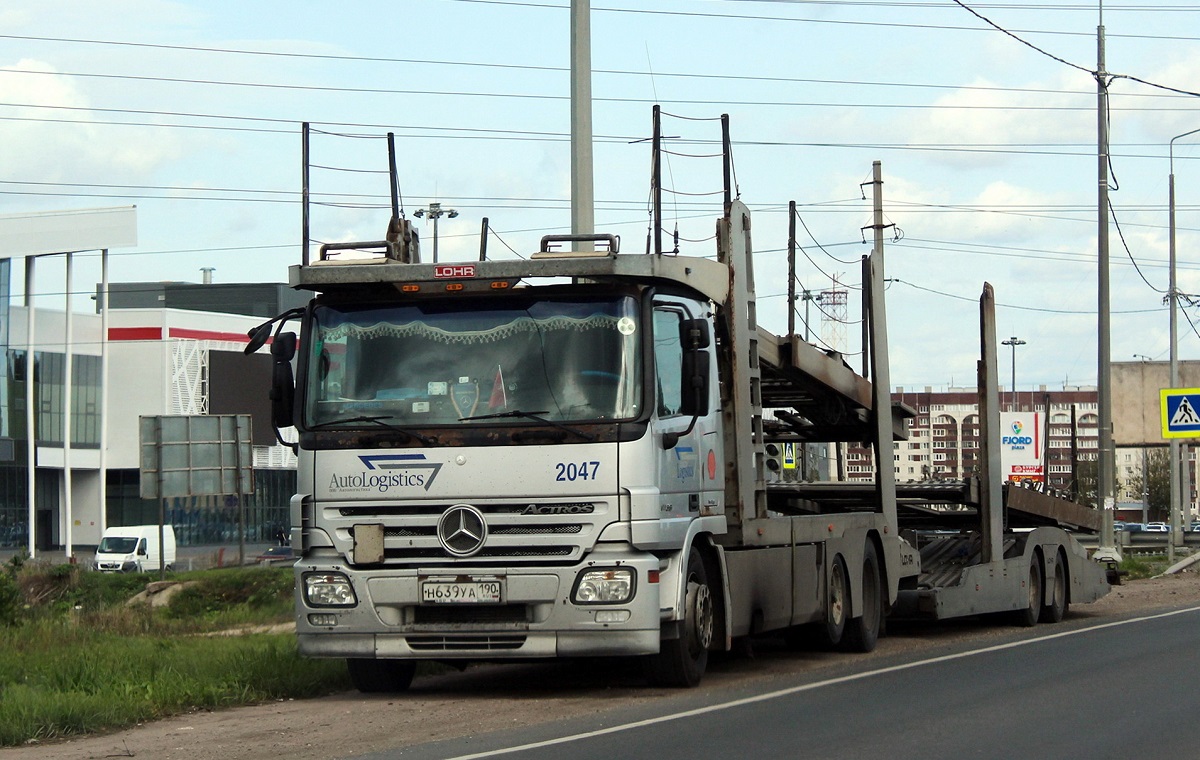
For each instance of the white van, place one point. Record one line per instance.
(134, 548)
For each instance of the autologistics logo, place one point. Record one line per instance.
(386, 471)
(1017, 440)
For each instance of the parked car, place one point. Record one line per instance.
(1131, 527)
(1157, 527)
(1194, 526)
(276, 555)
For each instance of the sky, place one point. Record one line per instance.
(984, 117)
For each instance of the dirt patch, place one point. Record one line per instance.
(490, 698)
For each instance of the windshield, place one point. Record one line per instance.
(434, 363)
(116, 545)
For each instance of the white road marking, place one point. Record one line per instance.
(813, 686)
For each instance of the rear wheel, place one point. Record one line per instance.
(681, 662)
(381, 676)
(837, 602)
(862, 632)
(1056, 592)
(1028, 615)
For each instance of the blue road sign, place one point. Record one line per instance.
(1180, 409)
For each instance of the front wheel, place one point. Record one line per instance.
(681, 662)
(381, 676)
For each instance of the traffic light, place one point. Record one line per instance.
(774, 459)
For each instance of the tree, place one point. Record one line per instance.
(1087, 483)
(1154, 483)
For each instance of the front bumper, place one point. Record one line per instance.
(536, 619)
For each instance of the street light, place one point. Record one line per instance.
(1014, 341)
(435, 212)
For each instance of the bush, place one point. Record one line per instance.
(11, 604)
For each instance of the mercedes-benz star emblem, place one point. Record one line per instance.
(462, 530)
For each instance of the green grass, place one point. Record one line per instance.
(75, 659)
(1138, 566)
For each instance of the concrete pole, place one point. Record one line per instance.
(1105, 464)
(1180, 482)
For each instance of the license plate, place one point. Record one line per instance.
(489, 591)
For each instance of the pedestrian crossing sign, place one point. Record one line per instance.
(1180, 412)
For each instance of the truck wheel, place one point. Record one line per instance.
(1028, 615)
(837, 603)
(681, 662)
(1057, 591)
(863, 632)
(381, 676)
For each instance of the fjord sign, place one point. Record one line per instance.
(1021, 435)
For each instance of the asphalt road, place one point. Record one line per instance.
(1113, 689)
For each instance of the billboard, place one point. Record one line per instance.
(1022, 441)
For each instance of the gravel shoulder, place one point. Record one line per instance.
(490, 698)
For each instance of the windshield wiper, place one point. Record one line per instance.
(378, 420)
(535, 416)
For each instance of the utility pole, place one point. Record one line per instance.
(1105, 464)
(1180, 482)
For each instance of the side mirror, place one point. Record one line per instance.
(283, 384)
(258, 337)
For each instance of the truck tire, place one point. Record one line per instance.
(1056, 592)
(1028, 615)
(381, 676)
(862, 632)
(681, 662)
(837, 603)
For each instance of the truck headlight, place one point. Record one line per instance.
(328, 590)
(612, 585)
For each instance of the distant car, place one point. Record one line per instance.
(276, 555)
(1118, 525)
(1194, 527)
(1133, 527)
(1157, 527)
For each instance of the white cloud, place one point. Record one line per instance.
(58, 139)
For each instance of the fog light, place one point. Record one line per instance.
(329, 590)
(612, 616)
(608, 586)
(323, 619)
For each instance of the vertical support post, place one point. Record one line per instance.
(103, 297)
(791, 262)
(656, 179)
(304, 193)
(727, 159)
(582, 164)
(483, 239)
(885, 473)
(991, 492)
(30, 411)
(1105, 465)
(68, 397)
(393, 176)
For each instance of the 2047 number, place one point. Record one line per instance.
(572, 471)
